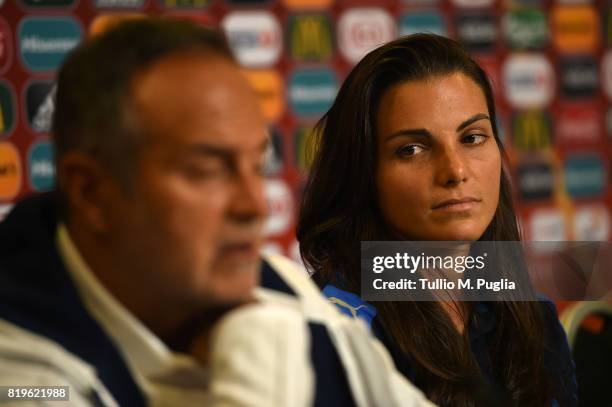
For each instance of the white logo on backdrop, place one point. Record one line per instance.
(529, 80)
(472, 3)
(606, 73)
(547, 225)
(255, 37)
(360, 30)
(280, 207)
(592, 223)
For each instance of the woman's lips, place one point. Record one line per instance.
(457, 205)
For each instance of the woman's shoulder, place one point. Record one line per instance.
(549, 309)
(556, 344)
(557, 354)
(555, 334)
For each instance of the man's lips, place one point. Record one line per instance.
(457, 205)
(245, 250)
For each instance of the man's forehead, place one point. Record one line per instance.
(186, 69)
(199, 101)
(209, 137)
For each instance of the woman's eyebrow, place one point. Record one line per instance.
(410, 132)
(475, 118)
(427, 134)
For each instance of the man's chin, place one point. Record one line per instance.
(236, 290)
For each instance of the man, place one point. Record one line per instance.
(142, 292)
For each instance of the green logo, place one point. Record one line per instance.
(525, 28)
(41, 166)
(304, 147)
(312, 92)
(608, 26)
(47, 3)
(185, 3)
(45, 41)
(422, 22)
(584, 176)
(7, 110)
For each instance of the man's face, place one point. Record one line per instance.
(191, 225)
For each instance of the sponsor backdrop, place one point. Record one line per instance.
(550, 62)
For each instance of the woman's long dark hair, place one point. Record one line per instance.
(340, 209)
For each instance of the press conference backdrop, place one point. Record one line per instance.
(550, 62)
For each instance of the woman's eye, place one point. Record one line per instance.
(474, 139)
(409, 150)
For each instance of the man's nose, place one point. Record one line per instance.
(249, 201)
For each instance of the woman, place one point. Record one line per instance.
(410, 151)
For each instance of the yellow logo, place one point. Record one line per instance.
(311, 37)
(105, 22)
(609, 27)
(7, 113)
(10, 171)
(305, 145)
(269, 87)
(308, 4)
(2, 125)
(531, 130)
(575, 28)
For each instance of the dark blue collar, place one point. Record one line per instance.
(482, 321)
(37, 294)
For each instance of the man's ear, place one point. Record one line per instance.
(88, 188)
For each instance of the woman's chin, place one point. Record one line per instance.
(457, 234)
(448, 231)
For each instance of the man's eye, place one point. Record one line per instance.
(474, 139)
(409, 150)
(197, 171)
(261, 167)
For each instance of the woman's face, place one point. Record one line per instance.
(439, 166)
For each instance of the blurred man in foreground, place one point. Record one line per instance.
(134, 282)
